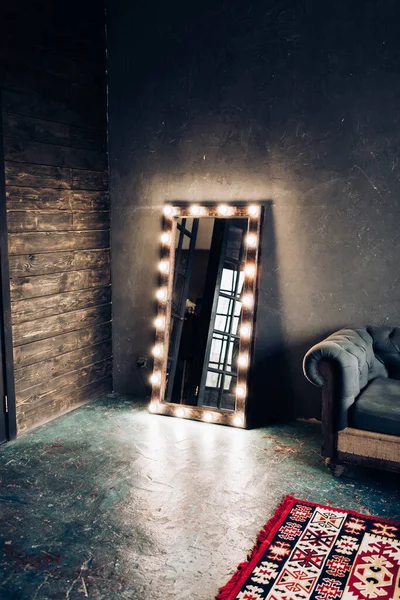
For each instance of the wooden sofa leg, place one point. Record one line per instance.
(335, 468)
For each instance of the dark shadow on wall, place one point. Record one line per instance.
(270, 387)
(279, 390)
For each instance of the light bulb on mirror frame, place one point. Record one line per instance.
(238, 421)
(161, 294)
(153, 406)
(195, 210)
(163, 266)
(224, 210)
(155, 379)
(207, 417)
(243, 360)
(180, 412)
(169, 211)
(251, 240)
(157, 350)
(248, 300)
(245, 331)
(241, 391)
(159, 323)
(253, 210)
(250, 270)
(165, 238)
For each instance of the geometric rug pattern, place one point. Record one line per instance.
(312, 552)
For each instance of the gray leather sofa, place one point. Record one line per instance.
(359, 373)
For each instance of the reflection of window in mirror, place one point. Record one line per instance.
(206, 310)
(221, 358)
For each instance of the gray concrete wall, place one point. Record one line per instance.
(292, 103)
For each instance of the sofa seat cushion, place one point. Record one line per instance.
(377, 408)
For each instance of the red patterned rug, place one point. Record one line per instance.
(312, 552)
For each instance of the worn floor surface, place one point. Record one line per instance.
(109, 502)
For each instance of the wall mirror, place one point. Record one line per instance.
(206, 312)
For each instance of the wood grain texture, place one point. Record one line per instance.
(56, 283)
(19, 221)
(65, 363)
(49, 154)
(40, 329)
(54, 346)
(46, 306)
(23, 243)
(60, 402)
(43, 130)
(37, 176)
(89, 180)
(40, 130)
(54, 98)
(89, 139)
(87, 109)
(31, 199)
(57, 262)
(33, 102)
(93, 221)
(73, 379)
(45, 176)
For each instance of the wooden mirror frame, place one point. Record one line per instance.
(238, 417)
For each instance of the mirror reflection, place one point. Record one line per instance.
(206, 309)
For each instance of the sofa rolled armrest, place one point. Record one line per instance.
(350, 351)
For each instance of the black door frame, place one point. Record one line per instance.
(5, 302)
(179, 316)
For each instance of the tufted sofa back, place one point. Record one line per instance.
(361, 355)
(386, 347)
(353, 350)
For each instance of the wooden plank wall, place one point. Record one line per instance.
(53, 82)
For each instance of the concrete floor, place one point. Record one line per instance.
(110, 502)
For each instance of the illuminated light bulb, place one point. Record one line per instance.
(250, 270)
(158, 350)
(155, 379)
(251, 240)
(240, 391)
(238, 421)
(159, 322)
(243, 360)
(224, 209)
(195, 209)
(248, 300)
(180, 412)
(163, 266)
(253, 210)
(153, 407)
(161, 294)
(245, 331)
(208, 417)
(168, 211)
(165, 238)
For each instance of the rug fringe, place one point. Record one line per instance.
(225, 591)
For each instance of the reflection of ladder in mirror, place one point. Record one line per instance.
(184, 271)
(225, 366)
